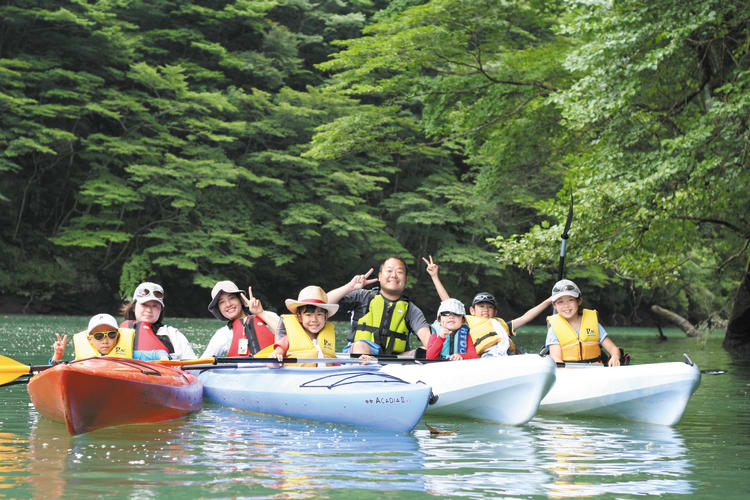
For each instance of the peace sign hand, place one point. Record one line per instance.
(252, 303)
(361, 281)
(59, 346)
(432, 268)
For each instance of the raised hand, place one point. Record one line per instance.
(59, 346)
(252, 303)
(432, 268)
(361, 281)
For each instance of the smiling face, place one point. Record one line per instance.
(483, 310)
(230, 306)
(392, 277)
(567, 306)
(312, 320)
(451, 321)
(148, 312)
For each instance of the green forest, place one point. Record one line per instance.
(282, 143)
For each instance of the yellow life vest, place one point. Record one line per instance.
(385, 325)
(122, 349)
(484, 335)
(581, 346)
(300, 343)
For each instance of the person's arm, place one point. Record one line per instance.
(59, 348)
(555, 352)
(280, 348)
(434, 346)
(424, 335)
(219, 343)
(256, 308)
(417, 324)
(613, 350)
(358, 282)
(529, 315)
(432, 270)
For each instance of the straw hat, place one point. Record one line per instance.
(312, 296)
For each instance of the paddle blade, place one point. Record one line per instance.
(10, 369)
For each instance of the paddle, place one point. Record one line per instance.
(208, 363)
(10, 370)
(564, 242)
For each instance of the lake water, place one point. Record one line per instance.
(224, 453)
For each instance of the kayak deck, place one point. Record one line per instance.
(352, 395)
(654, 393)
(103, 392)
(504, 389)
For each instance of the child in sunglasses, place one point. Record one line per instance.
(104, 338)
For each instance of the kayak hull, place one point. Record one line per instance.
(653, 393)
(504, 389)
(351, 395)
(103, 392)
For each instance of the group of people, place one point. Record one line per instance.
(383, 321)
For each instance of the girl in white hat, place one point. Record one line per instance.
(307, 333)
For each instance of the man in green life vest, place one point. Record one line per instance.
(382, 318)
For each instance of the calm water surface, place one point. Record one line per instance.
(223, 453)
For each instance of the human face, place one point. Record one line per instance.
(392, 277)
(230, 306)
(313, 321)
(483, 310)
(567, 306)
(106, 344)
(451, 321)
(148, 312)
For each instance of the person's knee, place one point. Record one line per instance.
(360, 347)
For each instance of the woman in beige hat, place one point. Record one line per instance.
(307, 333)
(249, 329)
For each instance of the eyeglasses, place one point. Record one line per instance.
(145, 292)
(100, 335)
(447, 313)
(565, 288)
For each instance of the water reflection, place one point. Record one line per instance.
(301, 458)
(592, 459)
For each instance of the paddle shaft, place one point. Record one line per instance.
(564, 242)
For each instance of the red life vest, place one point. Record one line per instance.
(145, 337)
(256, 332)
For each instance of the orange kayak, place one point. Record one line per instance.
(102, 392)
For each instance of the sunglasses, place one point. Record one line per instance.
(145, 292)
(100, 335)
(446, 313)
(564, 288)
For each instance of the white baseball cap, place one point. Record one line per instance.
(565, 287)
(102, 320)
(148, 291)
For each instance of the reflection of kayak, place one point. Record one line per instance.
(505, 389)
(655, 393)
(357, 395)
(102, 392)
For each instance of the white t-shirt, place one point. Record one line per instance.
(182, 348)
(221, 341)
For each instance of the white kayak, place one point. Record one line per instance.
(504, 389)
(353, 395)
(655, 393)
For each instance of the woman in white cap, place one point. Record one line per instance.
(307, 333)
(104, 338)
(249, 330)
(144, 314)
(575, 334)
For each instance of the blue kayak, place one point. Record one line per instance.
(353, 395)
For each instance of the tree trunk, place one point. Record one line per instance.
(737, 337)
(678, 320)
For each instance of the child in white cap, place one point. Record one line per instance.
(575, 334)
(104, 338)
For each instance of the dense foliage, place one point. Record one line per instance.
(286, 142)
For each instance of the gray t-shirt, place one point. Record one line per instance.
(358, 301)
